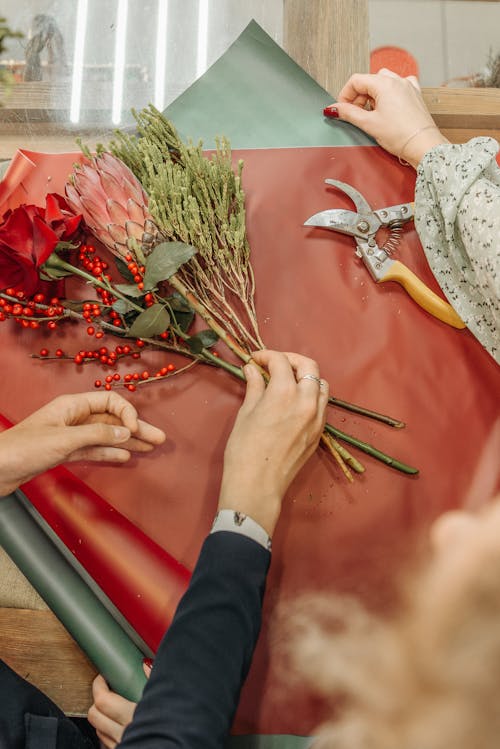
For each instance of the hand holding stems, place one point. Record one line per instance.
(99, 426)
(398, 117)
(277, 429)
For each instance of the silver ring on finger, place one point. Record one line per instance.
(312, 377)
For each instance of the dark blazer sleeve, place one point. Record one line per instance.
(193, 691)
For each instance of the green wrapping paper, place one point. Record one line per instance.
(71, 600)
(258, 97)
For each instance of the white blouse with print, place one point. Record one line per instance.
(457, 216)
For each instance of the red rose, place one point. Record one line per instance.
(28, 236)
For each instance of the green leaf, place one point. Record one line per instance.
(208, 337)
(151, 322)
(203, 339)
(184, 319)
(65, 246)
(165, 260)
(177, 302)
(122, 269)
(122, 306)
(129, 289)
(52, 274)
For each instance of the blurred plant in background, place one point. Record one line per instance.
(6, 77)
(490, 76)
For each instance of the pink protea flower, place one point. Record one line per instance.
(113, 204)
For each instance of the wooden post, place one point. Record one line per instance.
(328, 38)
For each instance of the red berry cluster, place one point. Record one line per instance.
(96, 266)
(104, 355)
(92, 263)
(110, 358)
(137, 272)
(132, 379)
(30, 312)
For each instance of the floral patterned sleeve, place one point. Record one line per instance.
(457, 216)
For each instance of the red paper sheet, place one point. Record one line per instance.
(120, 558)
(374, 345)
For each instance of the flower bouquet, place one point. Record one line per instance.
(156, 231)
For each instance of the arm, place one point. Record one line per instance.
(194, 688)
(204, 658)
(457, 194)
(458, 221)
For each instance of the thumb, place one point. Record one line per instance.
(353, 114)
(255, 386)
(97, 433)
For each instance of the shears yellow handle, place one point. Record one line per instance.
(421, 293)
(363, 226)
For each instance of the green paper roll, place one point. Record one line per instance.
(269, 741)
(75, 605)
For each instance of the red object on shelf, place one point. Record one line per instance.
(397, 59)
(142, 580)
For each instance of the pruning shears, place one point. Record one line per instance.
(363, 225)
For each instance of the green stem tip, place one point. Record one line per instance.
(370, 450)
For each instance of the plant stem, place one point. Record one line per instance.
(345, 454)
(237, 349)
(223, 364)
(366, 412)
(212, 323)
(370, 450)
(331, 445)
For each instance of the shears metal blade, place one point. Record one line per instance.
(363, 225)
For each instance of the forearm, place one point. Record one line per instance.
(478, 223)
(420, 143)
(194, 688)
(203, 660)
(457, 219)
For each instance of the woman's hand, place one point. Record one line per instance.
(100, 426)
(277, 429)
(110, 714)
(397, 115)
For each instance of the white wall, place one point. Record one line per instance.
(448, 38)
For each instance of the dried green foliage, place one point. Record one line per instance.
(490, 78)
(198, 200)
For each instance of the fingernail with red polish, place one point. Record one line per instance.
(331, 111)
(148, 662)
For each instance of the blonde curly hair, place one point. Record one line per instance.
(429, 678)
